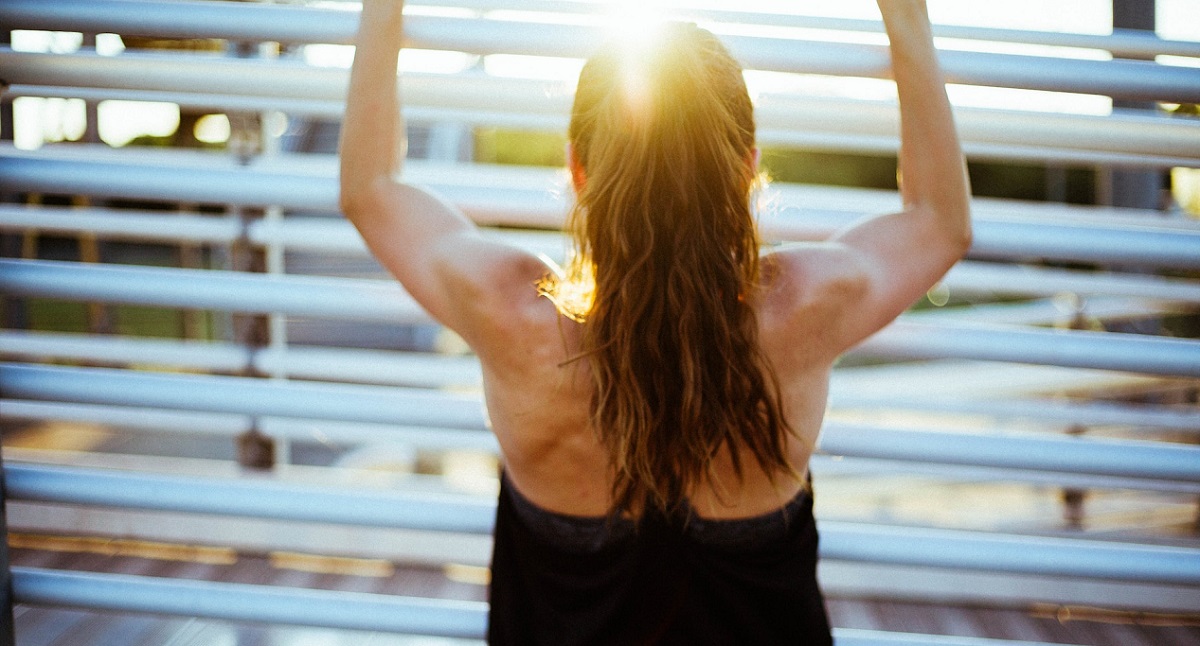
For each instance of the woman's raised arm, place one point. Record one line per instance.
(890, 261)
(427, 244)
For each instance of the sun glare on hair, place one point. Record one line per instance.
(636, 26)
(635, 22)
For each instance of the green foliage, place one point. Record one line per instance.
(835, 169)
(519, 147)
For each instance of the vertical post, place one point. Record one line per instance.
(7, 631)
(1129, 187)
(12, 309)
(255, 450)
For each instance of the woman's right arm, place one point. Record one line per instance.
(883, 264)
(466, 281)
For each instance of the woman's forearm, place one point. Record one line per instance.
(373, 141)
(933, 174)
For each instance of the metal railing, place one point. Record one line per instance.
(1127, 79)
(838, 124)
(533, 198)
(433, 401)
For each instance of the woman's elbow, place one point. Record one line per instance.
(354, 197)
(966, 233)
(347, 201)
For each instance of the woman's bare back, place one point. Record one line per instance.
(538, 392)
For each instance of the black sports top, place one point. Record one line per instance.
(572, 580)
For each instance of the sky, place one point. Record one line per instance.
(40, 120)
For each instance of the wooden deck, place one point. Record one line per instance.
(37, 626)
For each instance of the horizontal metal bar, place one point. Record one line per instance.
(532, 197)
(444, 439)
(958, 549)
(840, 540)
(995, 279)
(352, 403)
(782, 118)
(315, 296)
(1135, 80)
(997, 238)
(1121, 42)
(386, 301)
(295, 233)
(424, 370)
(860, 637)
(123, 224)
(211, 356)
(1027, 451)
(1078, 242)
(417, 369)
(1084, 414)
(324, 608)
(1075, 348)
(828, 466)
(1071, 140)
(253, 497)
(357, 403)
(246, 602)
(231, 424)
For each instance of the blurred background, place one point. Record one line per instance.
(185, 309)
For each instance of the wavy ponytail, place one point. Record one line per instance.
(667, 254)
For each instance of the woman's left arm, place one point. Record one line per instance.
(427, 244)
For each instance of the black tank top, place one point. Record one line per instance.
(569, 580)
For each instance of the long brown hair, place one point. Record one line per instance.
(666, 262)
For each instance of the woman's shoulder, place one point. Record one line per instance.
(808, 288)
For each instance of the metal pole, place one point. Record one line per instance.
(1128, 187)
(10, 308)
(7, 631)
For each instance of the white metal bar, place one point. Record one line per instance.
(245, 602)
(1092, 413)
(1135, 418)
(254, 498)
(1025, 451)
(422, 370)
(1156, 461)
(446, 512)
(859, 637)
(307, 26)
(340, 298)
(122, 224)
(442, 439)
(358, 403)
(194, 355)
(1075, 348)
(1060, 150)
(214, 101)
(1124, 244)
(1135, 80)
(533, 199)
(790, 119)
(1007, 553)
(995, 279)
(230, 424)
(997, 238)
(825, 466)
(385, 301)
(330, 609)
(1128, 43)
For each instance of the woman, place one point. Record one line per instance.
(657, 404)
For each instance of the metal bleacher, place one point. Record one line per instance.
(978, 392)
